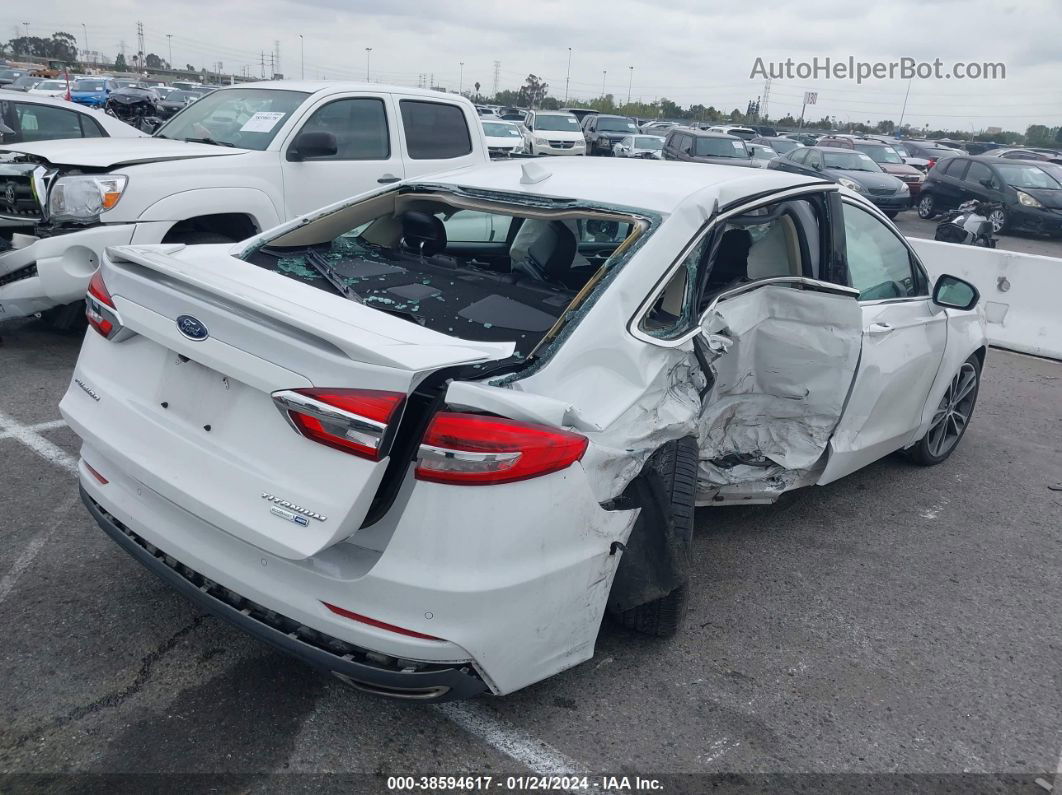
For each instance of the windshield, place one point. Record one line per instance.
(880, 154)
(784, 146)
(10, 74)
(747, 135)
(181, 96)
(558, 122)
(849, 161)
(763, 152)
(246, 117)
(616, 125)
(50, 85)
(648, 142)
(496, 129)
(89, 85)
(1021, 176)
(720, 147)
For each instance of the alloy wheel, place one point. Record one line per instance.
(953, 413)
(998, 219)
(925, 207)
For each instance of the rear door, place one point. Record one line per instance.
(903, 344)
(438, 136)
(368, 152)
(981, 183)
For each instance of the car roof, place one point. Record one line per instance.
(707, 133)
(654, 185)
(844, 149)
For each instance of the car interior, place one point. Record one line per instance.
(473, 274)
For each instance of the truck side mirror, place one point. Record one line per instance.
(309, 145)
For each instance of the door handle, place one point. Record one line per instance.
(878, 329)
(387, 179)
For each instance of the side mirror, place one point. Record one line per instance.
(313, 144)
(954, 293)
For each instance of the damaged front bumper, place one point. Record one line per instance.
(53, 271)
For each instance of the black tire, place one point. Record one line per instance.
(66, 319)
(200, 238)
(659, 549)
(891, 213)
(928, 451)
(927, 206)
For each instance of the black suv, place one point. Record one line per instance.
(1029, 194)
(700, 146)
(604, 132)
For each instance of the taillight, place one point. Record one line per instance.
(356, 421)
(932, 162)
(99, 308)
(476, 450)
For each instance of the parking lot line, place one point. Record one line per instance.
(35, 545)
(10, 428)
(537, 755)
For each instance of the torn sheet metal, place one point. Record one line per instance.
(781, 386)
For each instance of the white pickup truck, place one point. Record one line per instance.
(236, 162)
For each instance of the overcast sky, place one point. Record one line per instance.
(687, 50)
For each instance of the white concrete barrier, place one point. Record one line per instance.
(1021, 293)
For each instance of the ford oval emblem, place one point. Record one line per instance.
(191, 328)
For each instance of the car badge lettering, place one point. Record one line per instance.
(88, 390)
(293, 509)
(192, 328)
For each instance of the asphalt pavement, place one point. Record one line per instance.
(901, 620)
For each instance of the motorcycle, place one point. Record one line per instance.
(137, 107)
(967, 224)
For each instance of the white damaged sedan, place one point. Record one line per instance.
(424, 439)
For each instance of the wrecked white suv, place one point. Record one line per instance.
(425, 439)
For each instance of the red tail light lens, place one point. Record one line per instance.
(355, 421)
(932, 162)
(99, 307)
(477, 450)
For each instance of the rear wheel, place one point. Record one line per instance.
(926, 206)
(650, 592)
(951, 417)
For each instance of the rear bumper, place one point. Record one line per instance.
(429, 683)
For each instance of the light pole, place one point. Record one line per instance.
(461, 78)
(169, 42)
(368, 57)
(85, 31)
(302, 57)
(568, 76)
(904, 109)
(604, 74)
(629, 84)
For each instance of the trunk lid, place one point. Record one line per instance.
(195, 419)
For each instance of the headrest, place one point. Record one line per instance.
(422, 233)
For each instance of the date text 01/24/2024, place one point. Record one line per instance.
(523, 783)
